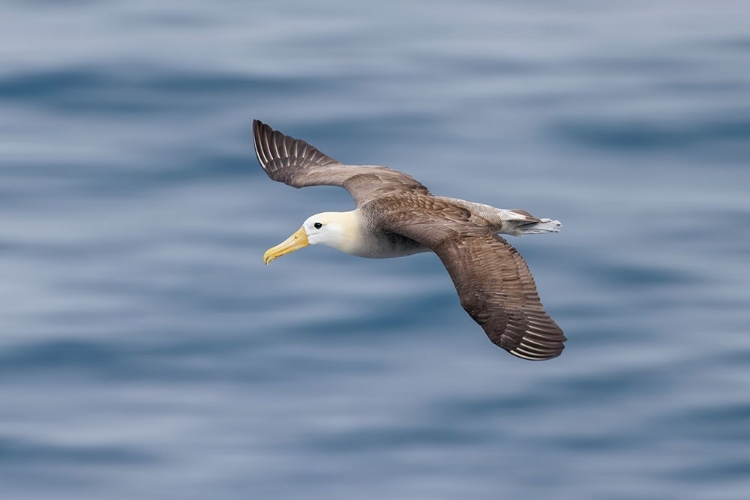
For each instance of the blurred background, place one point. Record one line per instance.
(147, 352)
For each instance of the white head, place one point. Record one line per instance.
(334, 229)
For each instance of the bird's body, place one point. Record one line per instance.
(397, 216)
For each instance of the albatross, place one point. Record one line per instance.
(396, 215)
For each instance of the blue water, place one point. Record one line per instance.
(147, 352)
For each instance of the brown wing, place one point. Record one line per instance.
(496, 288)
(298, 164)
(493, 282)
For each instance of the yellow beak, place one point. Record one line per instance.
(294, 242)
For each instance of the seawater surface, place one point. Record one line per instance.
(147, 352)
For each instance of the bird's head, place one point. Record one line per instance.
(334, 229)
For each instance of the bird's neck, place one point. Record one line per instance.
(348, 233)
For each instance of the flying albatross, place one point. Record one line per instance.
(397, 216)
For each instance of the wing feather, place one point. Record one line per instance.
(497, 289)
(298, 164)
(493, 281)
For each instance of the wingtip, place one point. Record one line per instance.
(531, 354)
(539, 346)
(259, 129)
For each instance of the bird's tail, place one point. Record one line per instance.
(519, 222)
(543, 226)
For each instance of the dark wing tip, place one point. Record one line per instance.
(261, 134)
(536, 343)
(272, 146)
(528, 332)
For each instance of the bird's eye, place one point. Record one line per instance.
(317, 225)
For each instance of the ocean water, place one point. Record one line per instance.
(147, 352)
